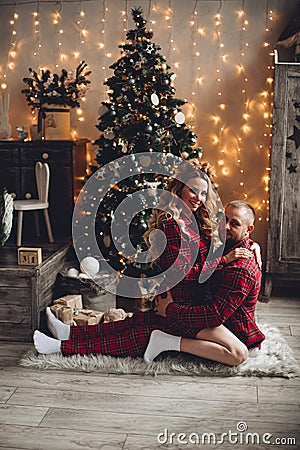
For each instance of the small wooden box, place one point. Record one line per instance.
(29, 256)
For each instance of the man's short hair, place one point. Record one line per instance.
(250, 211)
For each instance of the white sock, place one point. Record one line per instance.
(45, 344)
(59, 329)
(161, 342)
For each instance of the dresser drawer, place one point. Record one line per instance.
(9, 157)
(51, 156)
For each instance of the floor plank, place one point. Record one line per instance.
(22, 437)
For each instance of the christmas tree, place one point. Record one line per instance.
(141, 115)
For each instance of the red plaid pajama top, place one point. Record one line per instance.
(233, 291)
(184, 245)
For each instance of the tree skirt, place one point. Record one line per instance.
(274, 359)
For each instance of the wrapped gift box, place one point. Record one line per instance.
(72, 301)
(63, 313)
(87, 317)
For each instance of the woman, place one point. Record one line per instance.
(130, 337)
(191, 227)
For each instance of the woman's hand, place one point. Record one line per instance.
(236, 253)
(255, 247)
(241, 252)
(161, 304)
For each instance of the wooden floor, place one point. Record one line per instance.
(64, 411)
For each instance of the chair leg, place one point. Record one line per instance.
(48, 226)
(37, 223)
(19, 228)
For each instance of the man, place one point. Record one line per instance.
(222, 331)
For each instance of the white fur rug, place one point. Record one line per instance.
(275, 359)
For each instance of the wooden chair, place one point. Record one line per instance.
(42, 177)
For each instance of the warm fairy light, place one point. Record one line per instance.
(3, 85)
(222, 106)
(225, 171)
(269, 80)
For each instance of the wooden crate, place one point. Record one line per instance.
(25, 292)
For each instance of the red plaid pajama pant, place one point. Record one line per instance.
(128, 337)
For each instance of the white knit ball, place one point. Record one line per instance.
(72, 272)
(89, 265)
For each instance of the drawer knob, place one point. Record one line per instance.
(28, 195)
(45, 155)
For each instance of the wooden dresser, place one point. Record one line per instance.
(25, 291)
(67, 162)
(283, 250)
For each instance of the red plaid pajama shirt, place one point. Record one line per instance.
(233, 291)
(183, 246)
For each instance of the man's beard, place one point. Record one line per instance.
(229, 244)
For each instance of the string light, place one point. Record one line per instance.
(245, 127)
(168, 18)
(267, 105)
(102, 45)
(59, 31)
(37, 33)
(12, 51)
(125, 19)
(195, 81)
(221, 58)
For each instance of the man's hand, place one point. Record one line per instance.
(162, 303)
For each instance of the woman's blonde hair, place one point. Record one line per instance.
(206, 214)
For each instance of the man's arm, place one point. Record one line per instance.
(234, 287)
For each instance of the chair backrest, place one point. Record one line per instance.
(42, 177)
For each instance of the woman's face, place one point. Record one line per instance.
(195, 194)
